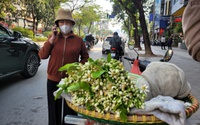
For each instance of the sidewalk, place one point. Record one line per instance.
(182, 59)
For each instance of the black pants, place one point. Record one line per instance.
(120, 50)
(55, 106)
(162, 45)
(169, 46)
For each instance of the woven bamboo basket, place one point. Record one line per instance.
(132, 119)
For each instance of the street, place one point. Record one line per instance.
(23, 101)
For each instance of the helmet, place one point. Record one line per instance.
(115, 33)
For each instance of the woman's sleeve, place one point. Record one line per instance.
(45, 51)
(191, 30)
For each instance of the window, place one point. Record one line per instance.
(175, 1)
(3, 33)
(108, 38)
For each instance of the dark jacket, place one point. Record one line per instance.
(116, 42)
(61, 52)
(169, 42)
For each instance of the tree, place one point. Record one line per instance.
(132, 19)
(85, 12)
(6, 10)
(76, 4)
(127, 4)
(86, 16)
(138, 4)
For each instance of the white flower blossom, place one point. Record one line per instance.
(113, 88)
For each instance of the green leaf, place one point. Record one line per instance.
(78, 86)
(67, 66)
(97, 74)
(117, 106)
(97, 65)
(109, 57)
(89, 106)
(63, 86)
(59, 92)
(123, 116)
(123, 113)
(72, 68)
(90, 60)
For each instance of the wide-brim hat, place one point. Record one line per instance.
(64, 15)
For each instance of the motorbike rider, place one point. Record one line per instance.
(89, 38)
(87, 44)
(116, 42)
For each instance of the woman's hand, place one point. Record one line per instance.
(54, 32)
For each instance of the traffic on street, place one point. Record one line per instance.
(99, 62)
(24, 101)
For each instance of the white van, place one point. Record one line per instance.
(106, 44)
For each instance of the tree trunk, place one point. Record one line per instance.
(52, 4)
(79, 30)
(147, 46)
(24, 20)
(135, 25)
(136, 34)
(127, 25)
(33, 19)
(89, 28)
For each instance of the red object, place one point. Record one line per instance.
(89, 122)
(113, 48)
(178, 20)
(135, 67)
(161, 31)
(3, 23)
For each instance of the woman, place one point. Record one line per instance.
(61, 48)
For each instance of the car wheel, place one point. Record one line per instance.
(31, 65)
(103, 52)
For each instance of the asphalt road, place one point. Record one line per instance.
(24, 101)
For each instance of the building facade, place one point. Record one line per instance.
(167, 19)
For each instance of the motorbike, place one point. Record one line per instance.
(140, 65)
(114, 53)
(88, 46)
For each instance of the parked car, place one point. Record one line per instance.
(18, 54)
(106, 44)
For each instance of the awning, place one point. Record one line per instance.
(179, 12)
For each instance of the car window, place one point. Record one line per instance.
(3, 33)
(108, 39)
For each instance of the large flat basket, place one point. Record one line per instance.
(134, 119)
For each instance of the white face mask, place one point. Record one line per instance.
(65, 29)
